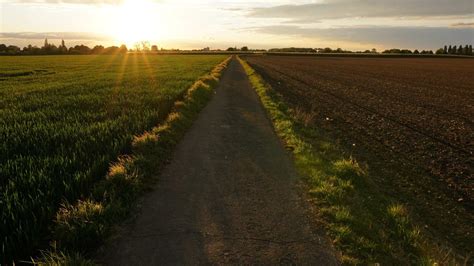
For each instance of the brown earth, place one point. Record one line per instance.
(229, 196)
(410, 120)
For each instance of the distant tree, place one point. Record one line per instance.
(145, 46)
(31, 50)
(374, 51)
(137, 46)
(13, 49)
(450, 49)
(455, 50)
(98, 49)
(111, 50)
(123, 49)
(154, 48)
(392, 51)
(244, 49)
(469, 50)
(63, 48)
(3, 48)
(80, 49)
(416, 51)
(231, 49)
(327, 50)
(46, 44)
(460, 50)
(445, 50)
(439, 51)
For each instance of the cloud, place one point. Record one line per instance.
(462, 24)
(337, 9)
(395, 37)
(53, 35)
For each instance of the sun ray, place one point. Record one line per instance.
(148, 68)
(118, 82)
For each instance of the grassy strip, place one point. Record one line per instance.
(365, 225)
(79, 228)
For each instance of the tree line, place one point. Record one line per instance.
(466, 50)
(51, 49)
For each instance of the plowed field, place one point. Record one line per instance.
(414, 116)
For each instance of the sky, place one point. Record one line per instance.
(194, 24)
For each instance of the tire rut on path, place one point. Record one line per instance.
(230, 195)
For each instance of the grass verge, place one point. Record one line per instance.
(80, 227)
(365, 225)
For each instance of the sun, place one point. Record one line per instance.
(136, 21)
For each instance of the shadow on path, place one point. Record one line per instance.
(229, 195)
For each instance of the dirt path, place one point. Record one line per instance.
(229, 196)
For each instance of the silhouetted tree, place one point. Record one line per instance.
(154, 48)
(439, 51)
(469, 50)
(80, 49)
(450, 49)
(145, 46)
(123, 49)
(459, 51)
(63, 48)
(111, 50)
(244, 49)
(445, 51)
(98, 49)
(455, 50)
(416, 51)
(9, 50)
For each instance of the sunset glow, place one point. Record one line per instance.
(135, 21)
(192, 24)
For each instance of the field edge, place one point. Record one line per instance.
(81, 227)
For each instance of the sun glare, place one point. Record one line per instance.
(136, 21)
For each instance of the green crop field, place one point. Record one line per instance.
(63, 119)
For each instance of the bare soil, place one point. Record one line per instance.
(230, 195)
(410, 120)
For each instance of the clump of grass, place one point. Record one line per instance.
(365, 225)
(76, 225)
(398, 216)
(82, 226)
(61, 259)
